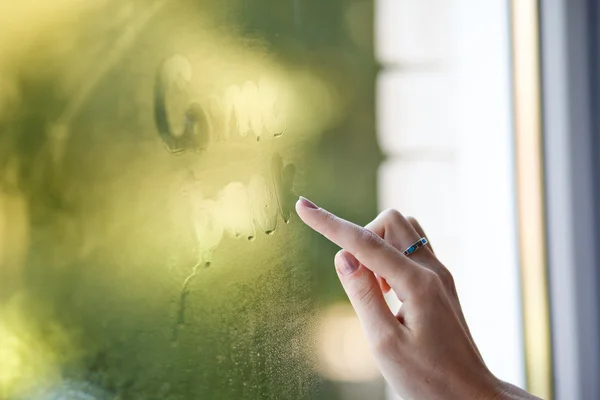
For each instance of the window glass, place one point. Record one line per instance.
(151, 153)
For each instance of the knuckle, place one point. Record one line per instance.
(393, 215)
(367, 238)
(329, 220)
(330, 224)
(386, 340)
(429, 284)
(446, 277)
(412, 220)
(365, 294)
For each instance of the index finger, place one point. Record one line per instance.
(368, 248)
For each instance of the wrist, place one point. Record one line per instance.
(493, 389)
(501, 390)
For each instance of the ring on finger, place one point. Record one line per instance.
(415, 246)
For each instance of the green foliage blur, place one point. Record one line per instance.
(104, 287)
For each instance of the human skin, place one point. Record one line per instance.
(425, 351)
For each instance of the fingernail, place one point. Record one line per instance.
(307, 203)
(349, 264)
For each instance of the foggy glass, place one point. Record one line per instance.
(151, 153)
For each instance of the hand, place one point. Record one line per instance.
(425, 351)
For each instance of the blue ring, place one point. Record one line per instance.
(415, 246)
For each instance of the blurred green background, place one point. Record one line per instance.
(145, 149)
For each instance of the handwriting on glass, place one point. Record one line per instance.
(242, 210)
(185, 124)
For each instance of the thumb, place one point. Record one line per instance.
(365, 294)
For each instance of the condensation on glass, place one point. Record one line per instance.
(151, 153)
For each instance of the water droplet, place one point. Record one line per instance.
(263, 202)
(270, 232)
(250, 238)
(283, 179)
(273, 118)
(207, 264)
